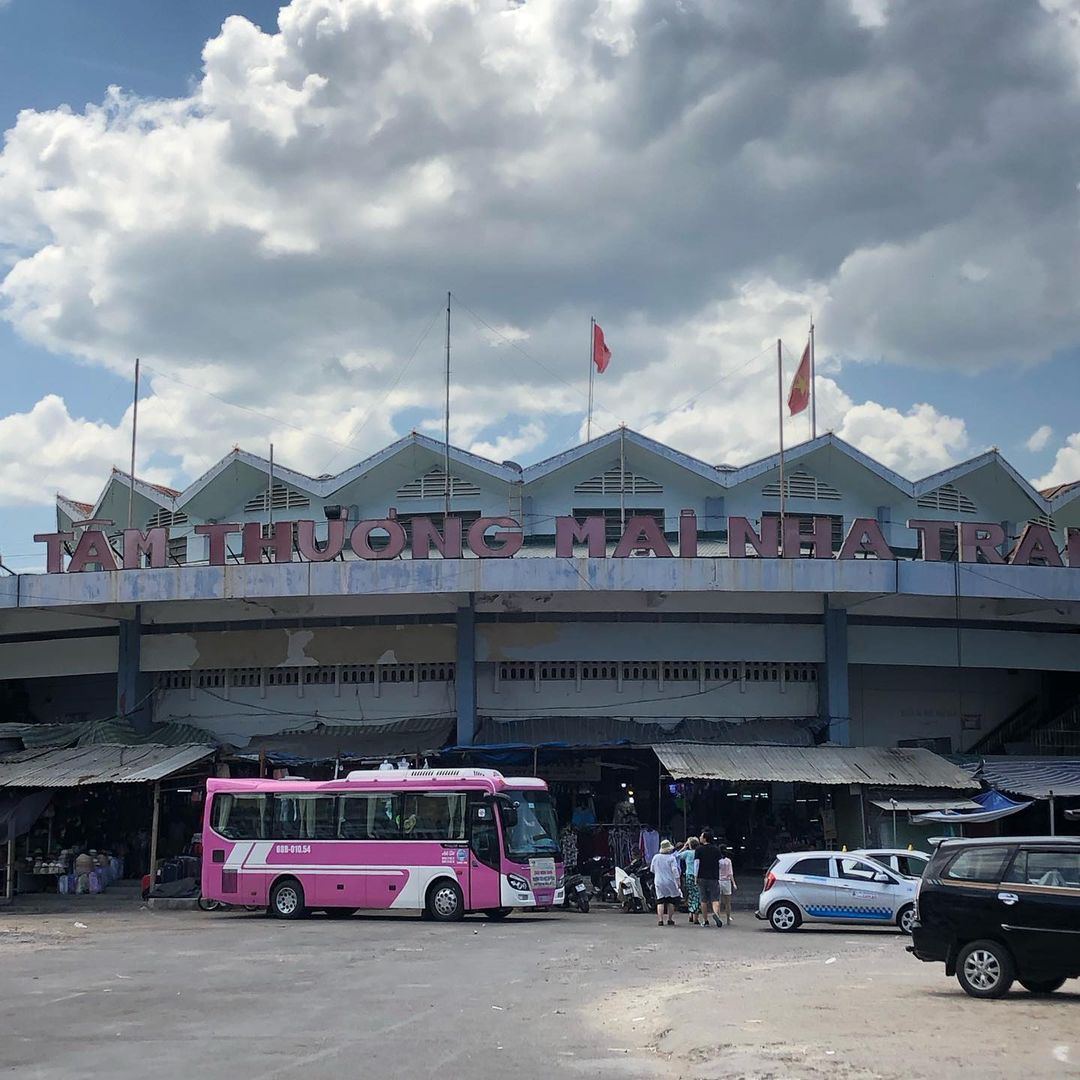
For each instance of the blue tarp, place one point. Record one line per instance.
(994, 806)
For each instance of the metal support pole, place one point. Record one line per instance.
(536, 761)
(893, 801)
(446, 433)
(592, 367)
(1053, 829)
(154, 832)
(9, 877)
(813, 384)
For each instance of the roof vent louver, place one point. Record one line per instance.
(947, 498)
(432, 485)
(283, 498)
(618, 481)
(801, 485)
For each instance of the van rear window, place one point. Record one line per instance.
(978, 864)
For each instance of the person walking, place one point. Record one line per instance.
(727, 883)
(665, 870)
(689, 859)
(708, 878)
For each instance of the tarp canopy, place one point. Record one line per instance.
(1034, 778)
(599, 732)
(990, 806)
(875, 765)
(106, 763)
(19, 812)
(414, 735)
(920, 806)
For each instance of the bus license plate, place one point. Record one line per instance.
(543, 873)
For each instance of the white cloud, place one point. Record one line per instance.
(282, 236)
(510, 447)
(1066, 467)
(1039, 438)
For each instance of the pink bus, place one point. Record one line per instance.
(444, 841)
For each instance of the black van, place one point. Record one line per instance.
(1001, 909)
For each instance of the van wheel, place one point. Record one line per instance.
(985, 969)
(1042, 986)
(906, 918)
(445, 902)
(287, 899)
(784, 917)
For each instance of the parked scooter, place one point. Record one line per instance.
(576, 892)
(647, 880)
(628, 891)
(601, 872)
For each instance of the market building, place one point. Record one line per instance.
(602, 617)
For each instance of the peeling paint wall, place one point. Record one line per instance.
(298, 648)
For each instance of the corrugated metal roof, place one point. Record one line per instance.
(1032, 777)
(101, 764)
(599, 731)
(907, 767)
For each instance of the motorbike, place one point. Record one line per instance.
(576, 892)
(628, 891)
(601, 872)
(647, 880)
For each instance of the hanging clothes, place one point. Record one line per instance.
(648, 844)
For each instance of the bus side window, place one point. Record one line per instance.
(369, 816)
(240, 816)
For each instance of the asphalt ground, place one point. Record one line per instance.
(138, 993)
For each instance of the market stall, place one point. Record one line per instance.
(91, 813)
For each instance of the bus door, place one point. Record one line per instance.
(485, 889)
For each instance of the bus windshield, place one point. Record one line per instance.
(536, 832)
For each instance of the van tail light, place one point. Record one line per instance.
(770, 881)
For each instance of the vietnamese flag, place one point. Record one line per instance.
(799, 395)
(601, 354)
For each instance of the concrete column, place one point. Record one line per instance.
(833, 693)
(132, 686)
(465, 674)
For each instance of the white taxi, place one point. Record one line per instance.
(835, 887)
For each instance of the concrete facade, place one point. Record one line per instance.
(875, 651)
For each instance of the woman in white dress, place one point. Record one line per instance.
(665, 870)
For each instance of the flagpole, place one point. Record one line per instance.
(622, 478)
(592, 367)
(446, 464)
(134, 431)
(780, 412)
(813, 385)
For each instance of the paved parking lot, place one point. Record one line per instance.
(138, 993)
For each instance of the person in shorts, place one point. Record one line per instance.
(727, 882)
(707, 872)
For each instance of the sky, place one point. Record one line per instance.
(269, 207)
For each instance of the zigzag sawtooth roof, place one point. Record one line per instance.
(723, 477)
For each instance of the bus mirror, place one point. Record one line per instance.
(507, 811)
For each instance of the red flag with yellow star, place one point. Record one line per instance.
(799, 395)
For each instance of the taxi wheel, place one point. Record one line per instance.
(784, 916)
(1042, 986)
(985, 969)
(905, 918)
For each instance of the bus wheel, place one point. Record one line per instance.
(445, 902)
(287, 899)
(497, 912)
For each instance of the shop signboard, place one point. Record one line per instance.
(99, 546)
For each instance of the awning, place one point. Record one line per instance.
(990, 806)
(922, 806)
(1034, 778)
(107, 763)
(879, 766)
